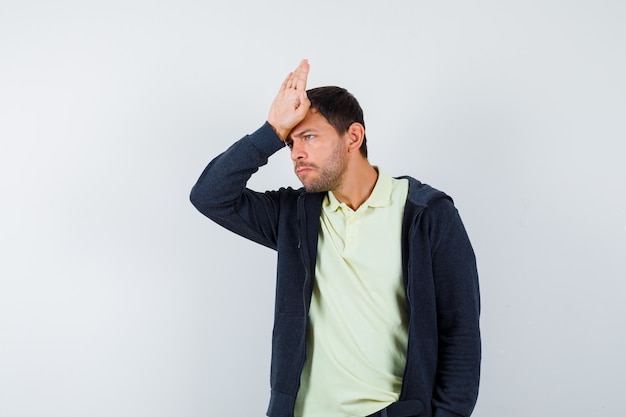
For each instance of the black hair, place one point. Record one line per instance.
(339, 108)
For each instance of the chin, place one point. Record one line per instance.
(307, 187)
(313, 189)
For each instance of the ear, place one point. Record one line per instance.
(355, 135)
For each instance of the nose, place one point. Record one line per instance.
(297, 150)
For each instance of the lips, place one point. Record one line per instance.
(303, 168)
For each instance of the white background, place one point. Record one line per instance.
(118, 299)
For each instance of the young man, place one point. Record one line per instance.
(377, 301)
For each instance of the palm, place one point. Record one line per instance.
(290, 104)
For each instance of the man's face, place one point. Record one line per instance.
(318, 152)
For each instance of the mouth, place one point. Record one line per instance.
(303, 168)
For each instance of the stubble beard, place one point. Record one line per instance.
(330, 176)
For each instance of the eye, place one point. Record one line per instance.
(289, 143)
(308, 137)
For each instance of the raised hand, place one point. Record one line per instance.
(291, 103)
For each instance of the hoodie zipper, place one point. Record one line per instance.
(306, 294)
(409, 302)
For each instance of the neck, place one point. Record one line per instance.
(357, 183)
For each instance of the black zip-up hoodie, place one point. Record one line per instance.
(439, 269)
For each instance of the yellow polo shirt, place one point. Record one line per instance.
(357, 336)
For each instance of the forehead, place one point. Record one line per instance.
(312, 121)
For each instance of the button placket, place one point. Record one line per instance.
(352, 232)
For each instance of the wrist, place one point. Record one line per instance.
(281, 133)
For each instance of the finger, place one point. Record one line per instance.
(303, 105)
(286, 84)
(304, 99)
(301, 74)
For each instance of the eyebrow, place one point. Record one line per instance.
(304, 132)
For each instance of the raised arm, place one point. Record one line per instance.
(221, 193)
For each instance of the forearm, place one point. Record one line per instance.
(224, 180)
(221, 194)
(458, 372)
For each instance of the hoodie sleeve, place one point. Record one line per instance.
(221, 193)
(458, 309)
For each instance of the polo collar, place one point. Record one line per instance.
(380, 196)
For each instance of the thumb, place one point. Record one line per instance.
(305, 103)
